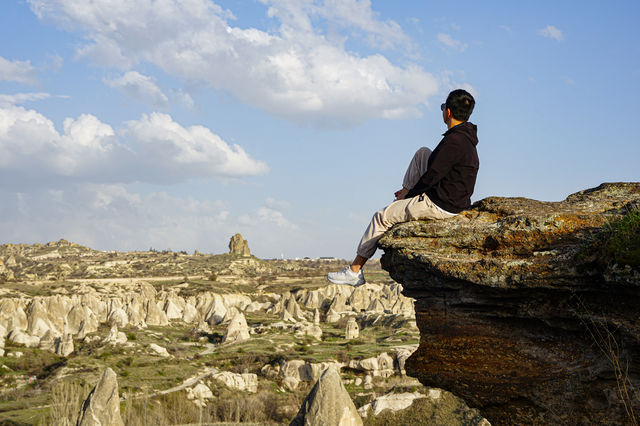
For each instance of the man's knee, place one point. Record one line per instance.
(423, 152)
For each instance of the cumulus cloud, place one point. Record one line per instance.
(140, 87)
(551, 32)
(17, 71)
(175, 148)
(452, 43)
(295, 72)
(153, 149)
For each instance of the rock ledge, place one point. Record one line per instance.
(512, 319)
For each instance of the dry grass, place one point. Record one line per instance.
(604, 337)
(66, 399)
(264, 407)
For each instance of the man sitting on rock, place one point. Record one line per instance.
(437, 185)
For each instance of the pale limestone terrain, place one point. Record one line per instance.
(206, 336)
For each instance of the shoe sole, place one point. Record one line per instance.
(345, 282)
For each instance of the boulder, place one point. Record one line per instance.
(243, 382)
(25, 339)
(115, 337)
(237, 330)
(290, 383)
(307, 329)
(159, 350)
(391, 401)
(368, 382)
(328, 403)
(199, 394)
(102, 406)
(295, 368)
(316, 316)
(402, 354)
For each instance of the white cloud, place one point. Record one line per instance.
(449, 41)
(506, 28)
(182, 98)
(358, 14)
(165, 143)
(268, 217)
(155, 149)
(21, 98)
(109, 217)
(274, 204)
(18, 71)
(140, 87)
(551, 32)
(112, 217)
(295, 72)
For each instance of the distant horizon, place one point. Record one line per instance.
(151, 124)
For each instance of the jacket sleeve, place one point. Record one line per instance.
(442, 164)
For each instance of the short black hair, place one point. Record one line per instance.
(460, 103)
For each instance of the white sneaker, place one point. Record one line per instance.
(346, 276)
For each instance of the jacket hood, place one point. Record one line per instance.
(466, 129)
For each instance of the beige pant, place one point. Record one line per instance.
(402, 210)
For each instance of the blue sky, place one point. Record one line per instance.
(175, 124)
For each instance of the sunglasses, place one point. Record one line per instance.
(443, 107)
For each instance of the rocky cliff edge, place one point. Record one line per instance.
(518, 312)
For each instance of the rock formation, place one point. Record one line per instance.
(199, 394)
(328, 403)
(237, 331)
(352, 330)
(102, 406)
(159, 350)
(243, 382)
(514, 317)
(391, 401)
(115, 337)
(63, 345)
(239, 246)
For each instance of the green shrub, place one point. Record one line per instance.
(622, 243)
(618, 241)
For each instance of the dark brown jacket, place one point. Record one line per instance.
(452, 170)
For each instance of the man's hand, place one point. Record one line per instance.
(401, 193)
